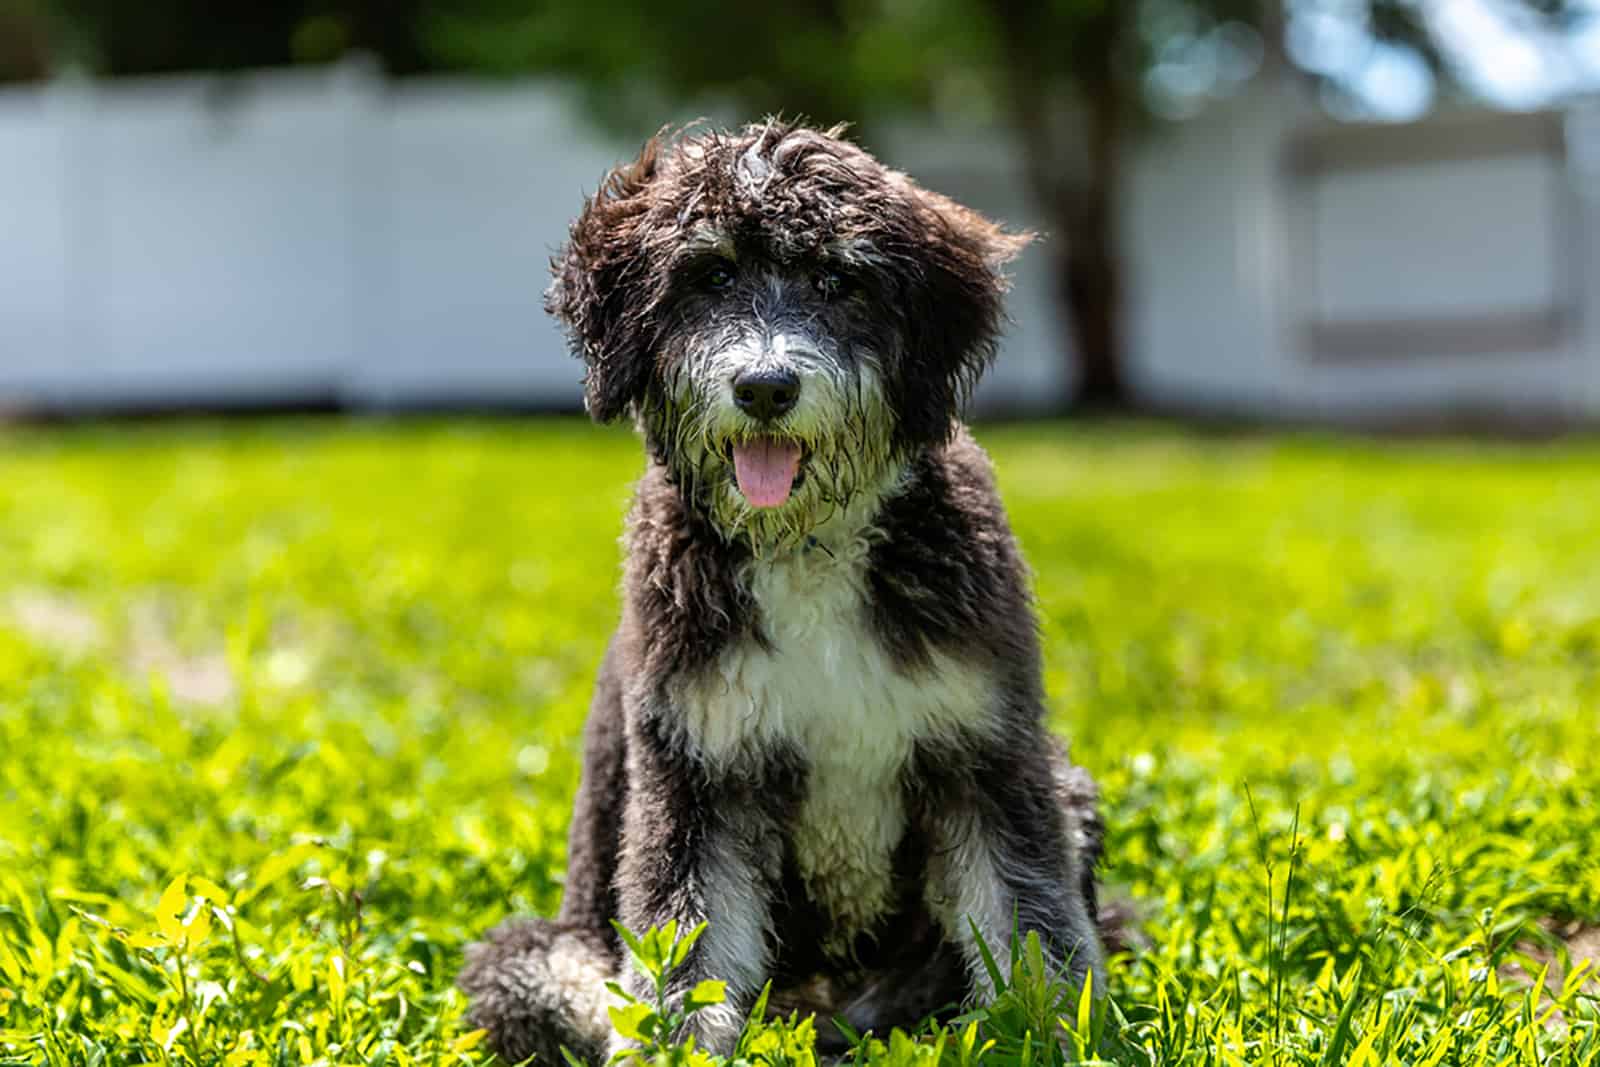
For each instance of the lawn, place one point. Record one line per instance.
(328, 677)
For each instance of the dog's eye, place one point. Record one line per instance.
(831, 283)
(718, 278)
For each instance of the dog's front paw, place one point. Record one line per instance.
(715, 1029)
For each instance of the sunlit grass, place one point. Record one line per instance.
(333, 674)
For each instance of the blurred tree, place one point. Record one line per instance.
(159, 36)
(1076, 80)
(24, 41)
(1071, 78)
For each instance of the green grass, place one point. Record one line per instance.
(1342, 698)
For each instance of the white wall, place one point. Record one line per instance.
(165, 242)
(1206, 271)
(1241, 260)
(473, 187)
(216, 242)
(35, 278)
(327, 235)
(1450, 239)
(1583, 149)
(322, 234)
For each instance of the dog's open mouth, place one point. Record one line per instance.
(767, 469)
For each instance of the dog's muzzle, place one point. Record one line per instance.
(766, 467)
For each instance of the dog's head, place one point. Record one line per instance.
(787, 318)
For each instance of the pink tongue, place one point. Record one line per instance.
(766, 469)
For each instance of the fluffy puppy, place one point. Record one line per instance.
(819, 725)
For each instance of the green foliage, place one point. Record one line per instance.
(289, 712)
(1027, 64)
(652, 1025)
(830, 62)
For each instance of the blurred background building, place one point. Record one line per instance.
(1329, 209)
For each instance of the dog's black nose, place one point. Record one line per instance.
(766, 394)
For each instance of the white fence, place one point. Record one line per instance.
(285, 236)
(325, 235)
(1290, 267)
(308, 236)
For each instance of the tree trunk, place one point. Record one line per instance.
(1088, 288)
(1089, 282)
(24, 44)
(1074, 167)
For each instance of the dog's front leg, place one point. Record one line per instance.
(699, 848)
(1004, 866)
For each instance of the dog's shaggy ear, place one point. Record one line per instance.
(955, 313)
(600, 292)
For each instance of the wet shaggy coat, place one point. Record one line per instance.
(820, 731)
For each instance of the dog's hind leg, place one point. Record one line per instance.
(595, 837)
(539, 985)
(1079, 798)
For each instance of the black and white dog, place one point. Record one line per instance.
(819, 726)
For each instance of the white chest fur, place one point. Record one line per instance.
(828, 687)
